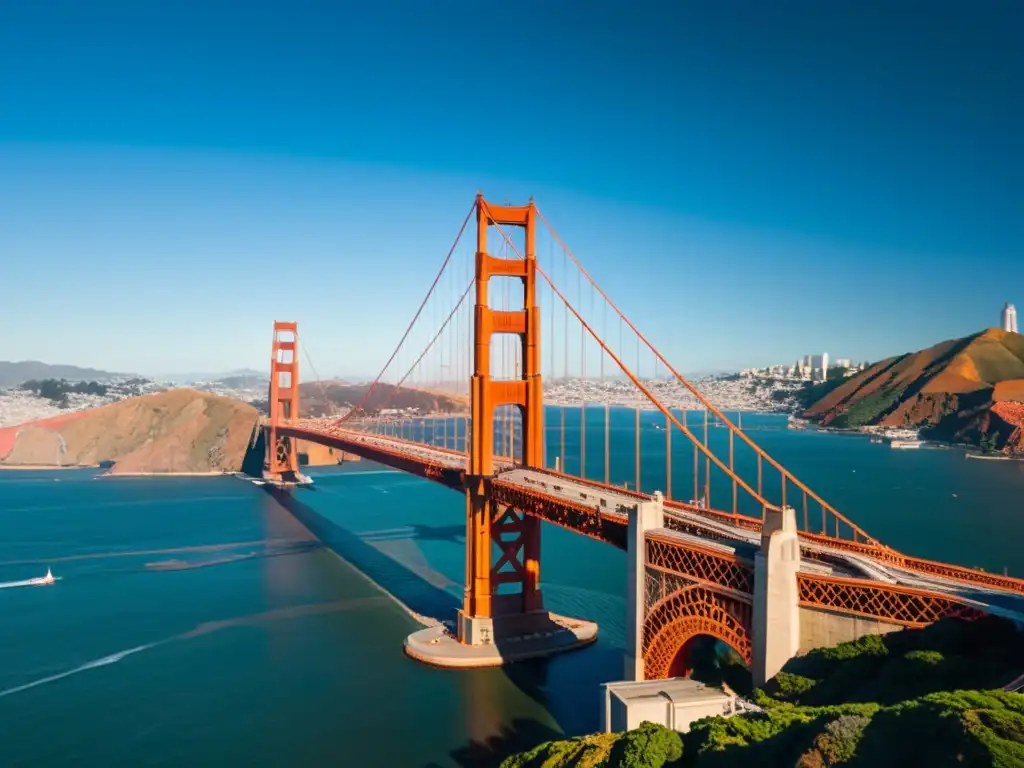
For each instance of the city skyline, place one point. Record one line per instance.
(254, 178)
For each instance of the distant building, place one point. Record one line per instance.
(817, 365)
(1009, 318)
(842, 362)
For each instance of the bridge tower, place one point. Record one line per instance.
(282, 462)
(515, 534)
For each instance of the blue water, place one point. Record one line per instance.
(198, 621)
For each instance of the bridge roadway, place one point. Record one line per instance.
(729, 539)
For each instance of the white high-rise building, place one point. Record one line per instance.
(1009, 318)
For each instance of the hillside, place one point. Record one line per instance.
(14, 374)
(335, 397)
(917, 697)
(180, 430)
(962, 390)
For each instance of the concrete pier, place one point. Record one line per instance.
(776, 630)
(647, 516)
(508, 639)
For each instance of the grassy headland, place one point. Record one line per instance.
(928, 697)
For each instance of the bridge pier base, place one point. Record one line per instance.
(475, 630)
(648, 516)
(776, 615)
(502, 640)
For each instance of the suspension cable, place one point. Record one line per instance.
(419, 311)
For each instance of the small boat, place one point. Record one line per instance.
(49, 578)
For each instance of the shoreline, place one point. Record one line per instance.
(211, 473)
(970, 451)
(47, 467)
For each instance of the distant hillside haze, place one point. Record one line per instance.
(188, 378)
(336, 397)
(963, 390)
(15, 374)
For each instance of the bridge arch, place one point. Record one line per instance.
(675, 621)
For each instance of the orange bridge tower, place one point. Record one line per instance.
(499, 592)
(282, 462)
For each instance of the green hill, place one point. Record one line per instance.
(928, 697)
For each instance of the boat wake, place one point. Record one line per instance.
(103, 662)
(39, 581)
(255, 619)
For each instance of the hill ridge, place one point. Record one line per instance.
(947, 390)
(175, 431)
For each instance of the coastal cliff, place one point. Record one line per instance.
(177, 431)
(962, 390)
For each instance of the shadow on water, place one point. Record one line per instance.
(520, 736)
(411, 589)
(583, 670)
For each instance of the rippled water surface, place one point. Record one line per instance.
(203, 621)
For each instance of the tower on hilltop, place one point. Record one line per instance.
(1009, 318)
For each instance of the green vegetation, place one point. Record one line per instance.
(867, 410)
(59, 389)
(918, 697)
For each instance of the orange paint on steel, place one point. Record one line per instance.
(483, 525)
(562, 464)
(637, 449)
(707, 463)
(732, 470)
(700, 398)
(888, 555)
(696, 469)
(583, 407)
(607, 436)
(668, 459)
(283, 398)
(633, 378)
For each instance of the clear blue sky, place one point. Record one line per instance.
(751, 181)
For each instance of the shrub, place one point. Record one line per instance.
(649, 746)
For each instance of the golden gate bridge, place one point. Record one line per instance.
(723, 540)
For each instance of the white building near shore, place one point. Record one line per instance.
(674, 703)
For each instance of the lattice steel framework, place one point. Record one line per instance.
(282, 457)
(886, 602)
(673, 621)
(699, 563)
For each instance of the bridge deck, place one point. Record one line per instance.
(683, 525)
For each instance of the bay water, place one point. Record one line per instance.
(208, 621)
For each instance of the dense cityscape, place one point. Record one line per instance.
(762, 390)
